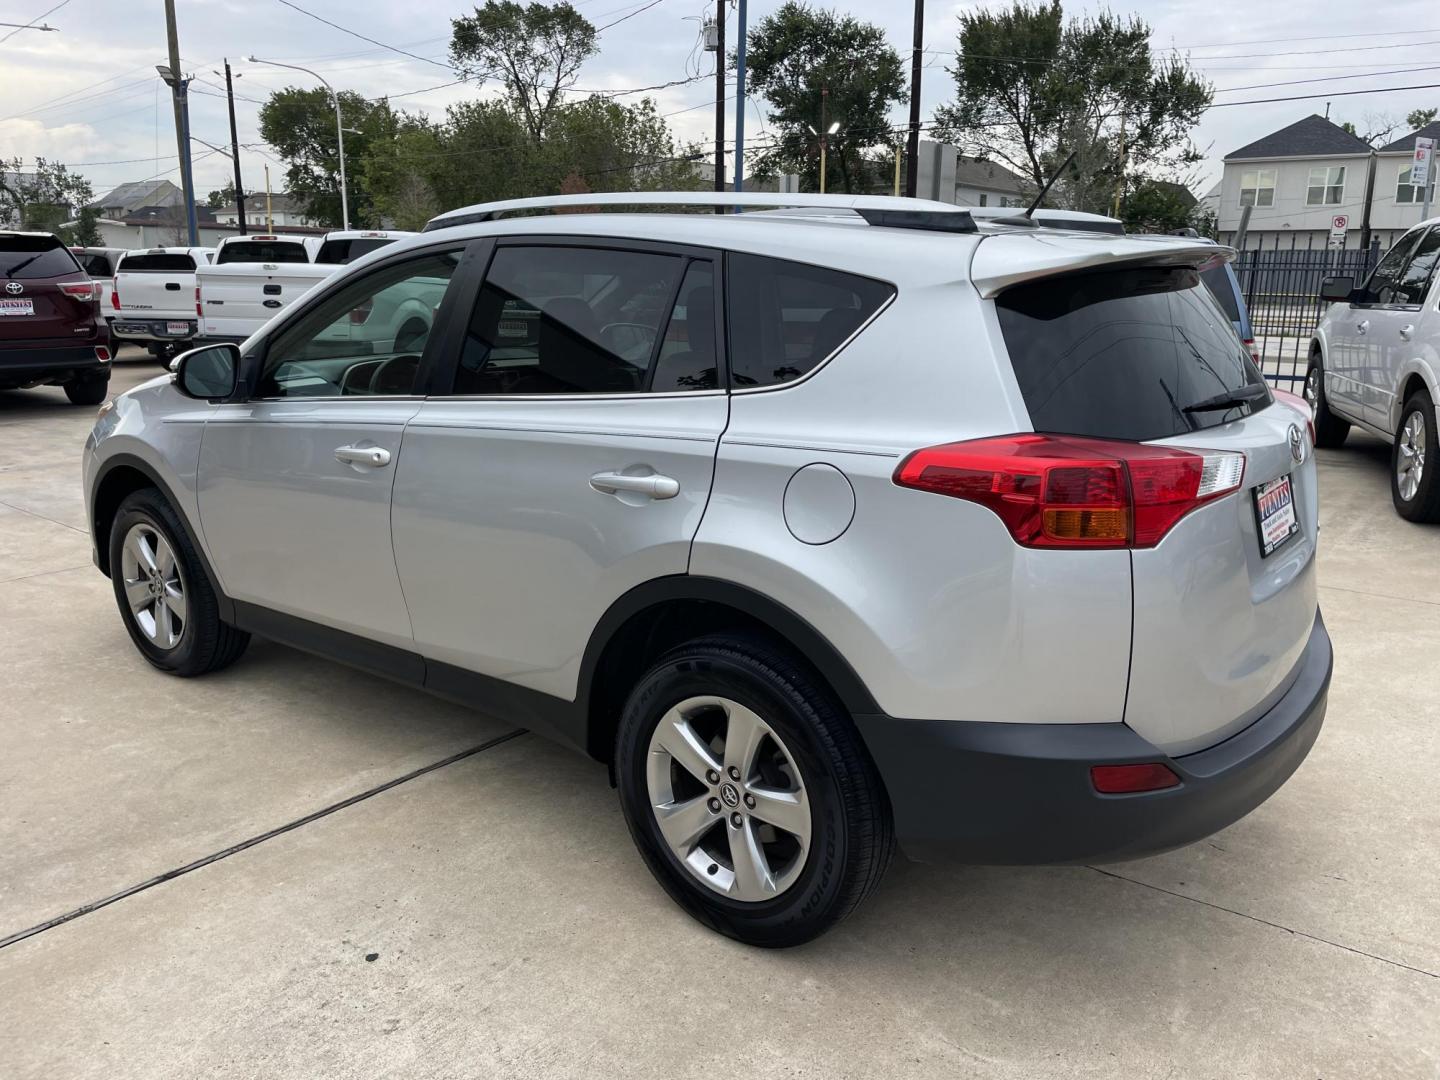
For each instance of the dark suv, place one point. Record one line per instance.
(51, 333)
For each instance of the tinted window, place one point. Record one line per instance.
(1121, 354)
(1217, 279)
(97, 265)
(786, 317)
(1381, 285)
(367, 338)
(344, 251)
(687, 352)
(557, 320)
(34, 257)
(1414, 281)
(262, 251)
(157, 264)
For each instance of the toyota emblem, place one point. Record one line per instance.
(14, 288)
(1297, 444)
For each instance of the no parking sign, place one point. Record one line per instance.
(1339, 224)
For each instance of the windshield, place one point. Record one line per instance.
(344, 251)
(262, 251)
(24, 257)
(1127, 354)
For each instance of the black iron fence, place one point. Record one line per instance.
(1281, 287)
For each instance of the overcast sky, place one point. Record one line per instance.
(55, 104)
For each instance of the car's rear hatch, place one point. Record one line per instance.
(1134, 348)
(45, 298)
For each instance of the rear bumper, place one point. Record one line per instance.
(151, 329)
(1021, 793)
(32, 366)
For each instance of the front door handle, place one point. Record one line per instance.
(1363, 326)
(1406, 331)
(653, 486)
(375, 457)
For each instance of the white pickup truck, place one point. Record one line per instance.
(152, 298)
(255, 277)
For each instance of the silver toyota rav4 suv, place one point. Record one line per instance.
(845, 523)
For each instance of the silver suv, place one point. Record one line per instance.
(843, 523)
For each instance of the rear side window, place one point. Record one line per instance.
(97, 265)
(24, 257)
(1125, 354)
(159, 263)
(1414, 281)
(1217, 279)
(262, 251)
(345, 251)
(787, 317)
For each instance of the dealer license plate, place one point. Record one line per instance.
(177, 328)
(1275, 514)
(17, 307)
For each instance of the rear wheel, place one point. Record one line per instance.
(749, 794)
(87, 391)
(1413, 463)
(1330, 430)
(164, 596)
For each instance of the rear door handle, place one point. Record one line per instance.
(1363, 326)
(653, 486)
(375, 457)
(1406, 331)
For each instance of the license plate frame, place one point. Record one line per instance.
(179, 329)
(16, 309)
(1275, 518)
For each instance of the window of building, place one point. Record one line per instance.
(1257, 187)
(984, 199)
(1326, 186)
(1409, 194)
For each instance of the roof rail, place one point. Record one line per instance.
(886, 210)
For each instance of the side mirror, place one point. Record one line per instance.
(1337, 289)
(208, 373)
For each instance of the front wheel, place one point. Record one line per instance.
(1330, 430)
(749, 794)
(1413, 484)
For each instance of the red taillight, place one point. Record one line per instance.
(360, 314)
(198, 311)
(1295, 401)
(1130, 779)
(1059, 491)
(80, 290)
(115, 296)
(1249, 344)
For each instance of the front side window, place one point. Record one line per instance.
(1407, 193)
(1257, 187)
(1413, 281)
(583, 320)
(787, 317)
(365, 339)
(1380, 289)
(1325, 186)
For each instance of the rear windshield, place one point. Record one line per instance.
(1123, 354)
(343, 251)
(34, 257)
(262, 251)
(1217, 278)
(160, 263)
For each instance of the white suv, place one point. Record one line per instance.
(826, 527)
(1375, 363)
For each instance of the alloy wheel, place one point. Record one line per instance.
(154, 586)
(728, 798)
(1410, 459)
(1312, 388)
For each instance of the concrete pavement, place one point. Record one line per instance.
(490, 918)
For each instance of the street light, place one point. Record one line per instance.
(340, 130)
(824, 146)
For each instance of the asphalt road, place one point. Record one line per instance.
(489, 917)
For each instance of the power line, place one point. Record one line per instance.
(1328, 94)
(37, 18)
(362, 37)
(1313, 37)
(1327, 78)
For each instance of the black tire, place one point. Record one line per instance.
(1330, 430)
(851, 833)
(1423, 505)
(87, 391)
(205, 642)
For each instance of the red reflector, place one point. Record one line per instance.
(1128, 779)
(1061, 491)
(102, 353)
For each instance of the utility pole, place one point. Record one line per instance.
(1120, 181)
(235, 149)
(912, 145)
(740, 101)
(1369, 198)
(179, 86)
(269, 218)
(824, 135)
(720, 98)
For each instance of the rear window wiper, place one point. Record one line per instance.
(1231, 399)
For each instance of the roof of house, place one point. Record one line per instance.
(1406, 145)
(1314, 136)
(281, 202)
(133, 196)
(979, 173)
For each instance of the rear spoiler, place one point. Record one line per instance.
(999, 262)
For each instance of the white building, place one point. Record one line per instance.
(1299, 179)
(285, 210)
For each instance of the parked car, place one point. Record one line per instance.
(1374, 364)
(258, 248)
(821, 531)
(152, 300)
(342, 247)
(99, 263)
(50, 328)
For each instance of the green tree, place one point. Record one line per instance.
(614, 147)
(1420, 117)
(224, 197)
(534, 50)
(300, 125)
(42, 197)
(1158, 206)
(801, 56)
(1032, 87)
(83, 231)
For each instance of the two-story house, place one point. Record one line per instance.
(1297, 180)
